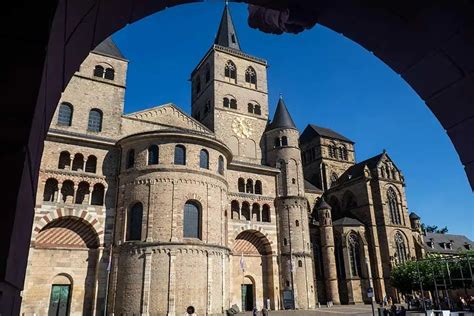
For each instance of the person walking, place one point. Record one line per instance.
(254, 311)
(264, 311)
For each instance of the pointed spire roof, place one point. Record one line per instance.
(323, 205)
(108, 47)
(227, 36)
(282, 118)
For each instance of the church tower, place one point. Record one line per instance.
(283, 152)
(229, 93)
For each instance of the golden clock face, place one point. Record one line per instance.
(242, 128)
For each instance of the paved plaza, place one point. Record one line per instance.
(359, 310)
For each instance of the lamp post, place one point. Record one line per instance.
(369, 273)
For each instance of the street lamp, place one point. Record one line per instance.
(370, 291)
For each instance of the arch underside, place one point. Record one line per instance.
(429, 43)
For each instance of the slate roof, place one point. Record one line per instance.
(357, 170)
(226, 35)
(322, 205)
(414, 216)
(458, 243)
(282, 118)
(312, 131)
(308, 186)
(108, 47)
(347, 221)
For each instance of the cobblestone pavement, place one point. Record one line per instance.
(356, 310)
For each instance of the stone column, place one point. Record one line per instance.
(172, 286)
(209, 283)
(71, 159)
(99, 253)
(58, 198)
(146, 283)
(74, 195)
(91, 188)
(327, 246)
(84, 165)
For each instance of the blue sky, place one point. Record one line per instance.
(326, 79)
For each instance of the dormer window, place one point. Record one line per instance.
(106, 73)
(467, 246)
(233, 38)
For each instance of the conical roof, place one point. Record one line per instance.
(227, 36)
(413, 215)
(282, 118)
(108, 47)
(322, 205)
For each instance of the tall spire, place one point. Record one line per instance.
(282, 118)
(226, 36)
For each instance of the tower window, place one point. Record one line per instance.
(130, 159)
(197, 84)
(220, 166)
(204, 159)
(233, 104)
(277, 142)
(95, 121)
(250, 108)
(98, 71)
(230, 71)
(208, 73)
(241, 185)
(109, 74)
(300, 263)
(257, 110)
(233, 38)
(284, 141)
(226, 102)
(393, 207)
(180, 155)
(65, 114)
(153, 155)
(251, 76)
(192, 220)
(297, 223)
(134, 222)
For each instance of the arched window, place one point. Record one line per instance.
(109, 74)
(67, 191)
(393, 207)
(91, 164)
(230, 71)
(246, 211)
(401, 250)
(78, 162)
(249, 186)
(99, 71)
(250, 107)
(95, 121)
(82, 193)
(251, 76)
(300, 264)
(153, 155)
(64, 160)
(258, 187)
(285, 242)
(134, 222)
(208, 73)
(50, 190)
(233, 103)
(354, 254)
(284, 141)
(220, 166)
(180, 155)
(241, 185)
(192, 220)
(266, 213)
(277, 142)
(130, 159)
(344, 152)
(333, 180)
(226, 102)
(257, 110)
(340, 153)
(204, 159)
(65, 114)
(98, 195)
(235, 210)
(256, 212)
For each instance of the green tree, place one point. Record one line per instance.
(434, 229)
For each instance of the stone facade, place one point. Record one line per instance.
(153, 211)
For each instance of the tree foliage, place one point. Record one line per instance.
(434, 229)
(452, 271)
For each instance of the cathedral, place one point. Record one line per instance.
(150, 212)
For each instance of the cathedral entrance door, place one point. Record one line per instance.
(247, 297)
(59, 301)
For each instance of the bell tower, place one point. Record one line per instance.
(230, 95)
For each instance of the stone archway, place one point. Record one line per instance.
(429, 43)
(252, 259)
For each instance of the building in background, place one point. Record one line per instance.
(154, 211)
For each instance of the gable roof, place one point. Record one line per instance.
(308, 186)
(457, 243)
(357, 170)
(226, 35)
(312, 131)
(347, 221)
(108, 47)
